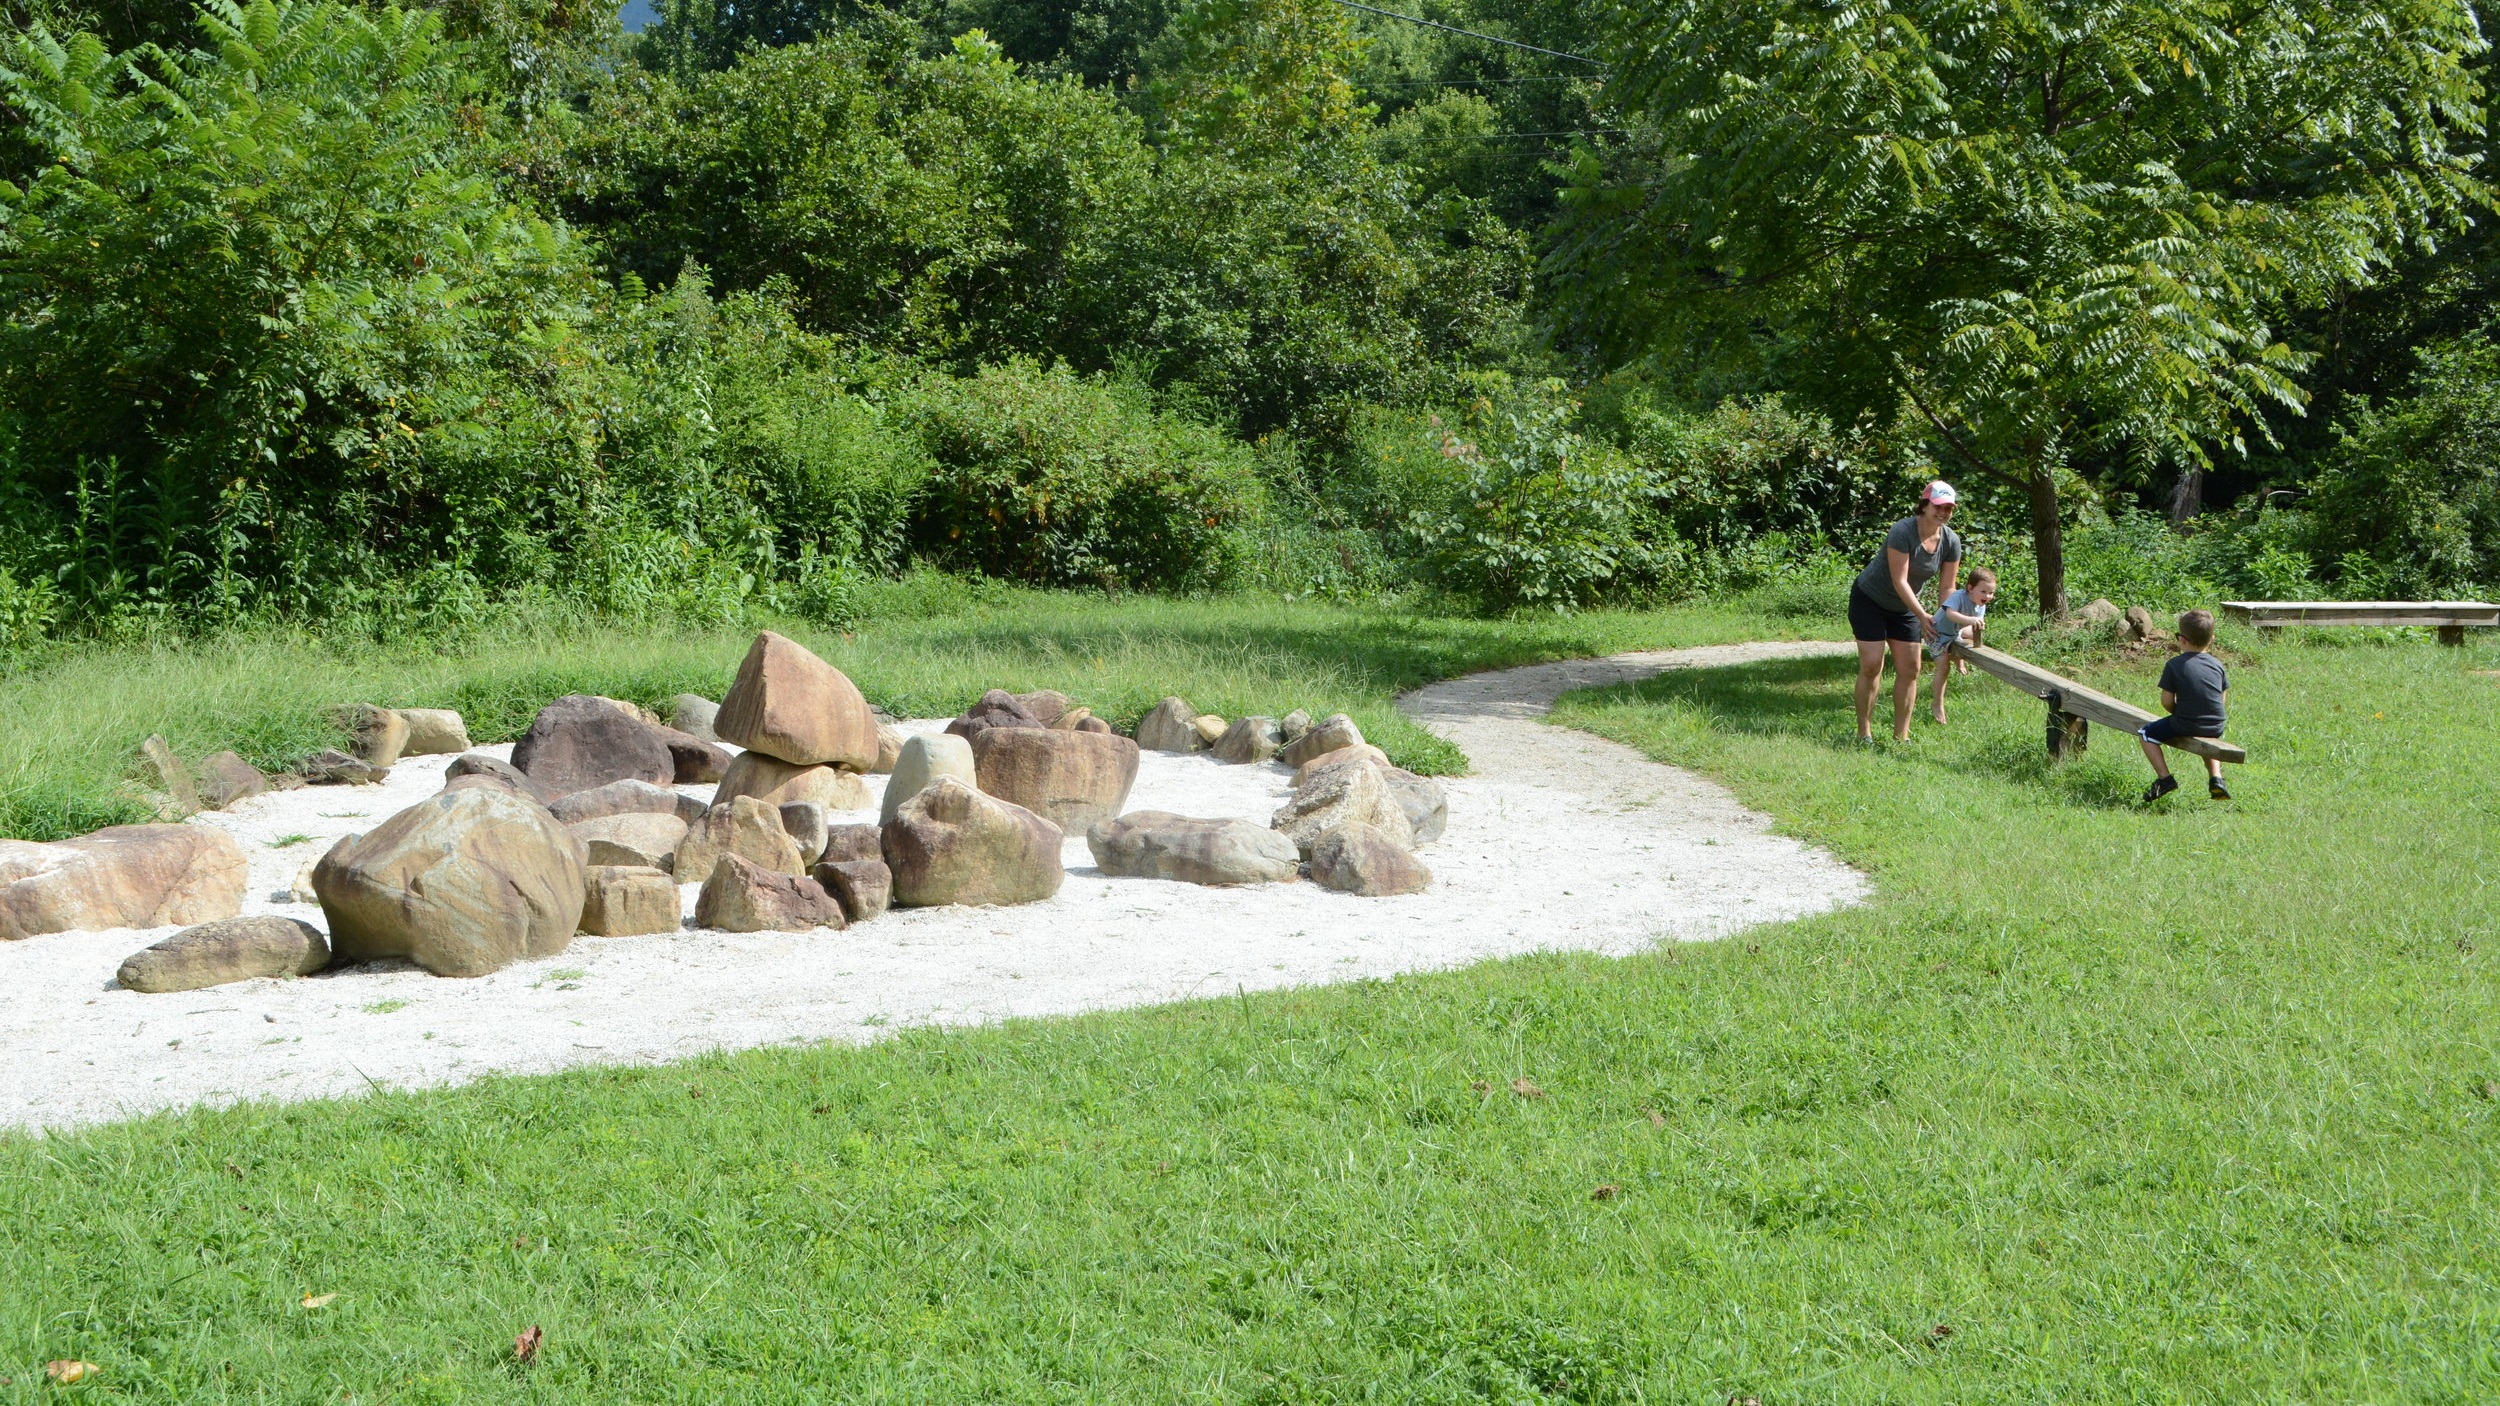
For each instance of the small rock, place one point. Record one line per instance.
(923, 760)
(231, 949)
(789, 704)
(1047, 706)
(1354, 794)
(997, 708)
(433, 732)
(951, 844)
(1073, 720)
(1334, 734)
(848, 844)
(630, 708)
(127, 876)
(380, 736)
(804, 823)
(775, 782)
(1249, 740)
(695, 761)
(1166, 728)
(890, 741)
(226, 778)
(632, 840)
(2100, 613)
(692, 714)
(332, 767)
(864, 887)
(302, 890)
(1097, 725)
(2139, 624)
(581, 740)
(159, 767)
(1154, 844)
(1293, 725)
(1363, 859)
(1209, 728)
(1360, 751)
(627, 797)
(462, 883)
(628, 901)
(1427, 806)
(744, 897)
(1071, 779)
(477, 768)
(745, 827)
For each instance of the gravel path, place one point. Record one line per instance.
(1558, 841)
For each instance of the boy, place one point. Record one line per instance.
(1961, 618)
(2194, 689)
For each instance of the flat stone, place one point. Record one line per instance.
(1167, 728)
(622, 901)
(745, 897)
(477, 768)
(745, 827)
(1248, 741)
(332, 767)
(1154, 844)
(789, 704)
(128, 876)
(924, 759)
(581, 740)
(952, 844)
(997, 708)
(1366, 860)
(695, 761)
(627, 797)
(633, 840)
(776, 782)
(1335, 733)
(226, 778)
(433, 732)
(864, 887)
(1071, 779)
(230, 949)
(462, 883)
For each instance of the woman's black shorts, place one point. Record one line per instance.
(1869, 621)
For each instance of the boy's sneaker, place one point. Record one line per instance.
(2160, 788)
(2215, 788)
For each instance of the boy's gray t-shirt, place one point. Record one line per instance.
(2197, 681)
(1875, 583)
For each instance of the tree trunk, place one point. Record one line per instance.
(2048, 542)
(2187, 497)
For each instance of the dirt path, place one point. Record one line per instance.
(1558, 841)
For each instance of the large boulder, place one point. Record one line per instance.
(951, 844)
(696, 761)
(380, 735)
(787, 703)
(1333, 734)
(864, 887)
(1366, 860)
(1048, 706)
(129, 876)
(1154, 844)
(2101, 613)
(744, 897)
(581, 740)
(845, 843)
(627, 797)
(462, 883)
(775, 782)
(745, 827)
(479, 769)
(997, 708)
(230, 949)
(1166, 728)
(633, 840)
(1427, 806)
(693, 715)
(1069, 778)
(226, 778)
(434, 732)
(1354, 794)
(1248, 740)
(923, 760)
(622, 901)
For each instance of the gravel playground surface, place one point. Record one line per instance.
(1558, 841)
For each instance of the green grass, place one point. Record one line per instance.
(2186, 1104)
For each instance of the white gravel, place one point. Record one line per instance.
(1558, 841)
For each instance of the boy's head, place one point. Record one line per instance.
(1983, 585)
(2196, 629)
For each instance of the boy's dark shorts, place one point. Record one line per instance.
(1870, 621)
(2171, 729)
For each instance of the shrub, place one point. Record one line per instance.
(2409, 488)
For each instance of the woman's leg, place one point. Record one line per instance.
(1870, 671)
(1905, 657)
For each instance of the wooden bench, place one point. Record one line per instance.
(2073, 707)
(2450, 617)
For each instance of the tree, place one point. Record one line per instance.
(2044, 231)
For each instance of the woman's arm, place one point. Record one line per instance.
(1951, 572)
(1898, 561)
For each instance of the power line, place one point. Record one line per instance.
(1454, 29)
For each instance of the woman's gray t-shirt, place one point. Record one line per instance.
(1875, 583)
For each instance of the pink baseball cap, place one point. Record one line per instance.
(1940, 493)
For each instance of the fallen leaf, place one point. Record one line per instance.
(1656, 1118)
(520, 1242)
(821, 1109)
(1480, 1086)
(1940, 1332)
(66, 1372)
(1526, 1087)
(236, 1171)
(525, 1347)
(320, 1300)
(1608, 1192)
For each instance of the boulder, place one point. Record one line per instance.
(745, 827)
(890, 741)
(1048, 706)
(787, 703)
(951, 844)
(622, 901)
(1248, 740)
(744, 897)
(923, 760)
(433, 732)
(479, 769)
(128, 876)
(1154, 844)
(1364, 859)
(226, 778)
(627, 797)
(804, 823)
(1293, 725)
(1166, 728)
(2139, 624)
(1355, 794)
(1334, 734)
(379, 735)
(1071, 779)
(694, 761)
(1360, 751)
(332, 767)
(1209, 728)
(775, 782)
(462, 883)
(2100, 613)
(997, 708)
(845, 844)
(864, 887)
(1090, 723)
(1427, 806)
(692, 714)
(160, 768)
(632, 840)
(230, 949)
(581, 741)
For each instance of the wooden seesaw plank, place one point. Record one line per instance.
(2270, 614)
(2087, 704)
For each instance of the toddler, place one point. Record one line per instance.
(1962, 619)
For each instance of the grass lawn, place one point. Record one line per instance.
(2092, 1103)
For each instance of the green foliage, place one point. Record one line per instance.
(2412, 486)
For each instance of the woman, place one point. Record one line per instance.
(1883, 604)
